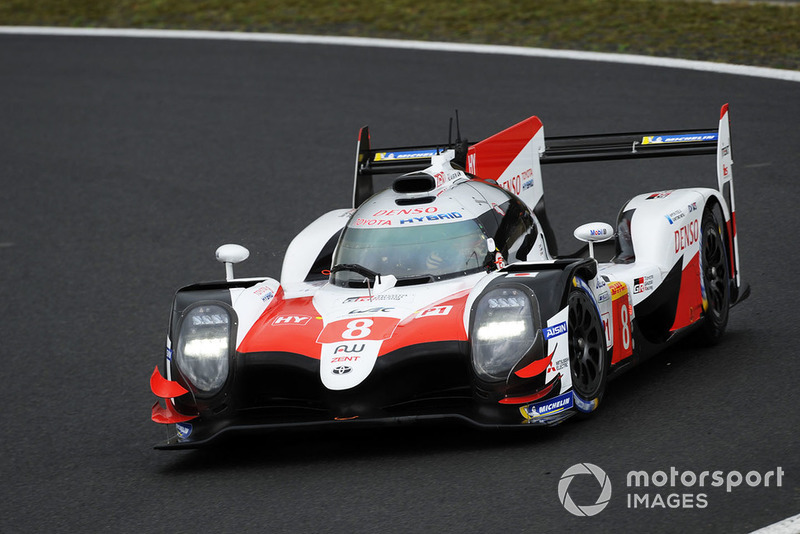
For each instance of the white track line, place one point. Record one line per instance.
(707, 66)
(790, 525)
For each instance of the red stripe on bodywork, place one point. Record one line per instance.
(167, 414)
(426, 326)
(690, 297)
(492, 156)
(288, 325)
(166, 389)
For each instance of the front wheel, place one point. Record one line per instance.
(588, 357)
(715, 278)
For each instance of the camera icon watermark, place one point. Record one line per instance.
(584, 469)
(663, 489)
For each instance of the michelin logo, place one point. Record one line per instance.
(682, 138)
(556, 330)
(548, 407)
(411, 154)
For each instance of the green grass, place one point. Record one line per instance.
(732, 32)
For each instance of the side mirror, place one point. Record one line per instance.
(594, 232)
(384, 282)
(230, 254)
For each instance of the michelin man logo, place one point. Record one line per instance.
(602, 500)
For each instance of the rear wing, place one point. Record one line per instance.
(513, 158)
(397, 160)
(572, 149)
(564, 149)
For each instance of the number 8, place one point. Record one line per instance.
(358, 329)
(626, 330)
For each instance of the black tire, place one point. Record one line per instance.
(588, 357)
(716, 279)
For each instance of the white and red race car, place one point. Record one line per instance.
(440, 298)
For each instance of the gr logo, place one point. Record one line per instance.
(602, 499)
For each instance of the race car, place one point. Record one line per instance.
(442, 298)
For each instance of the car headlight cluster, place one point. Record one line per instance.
(503, 332)
(203, 347)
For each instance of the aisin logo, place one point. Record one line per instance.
(602, 500)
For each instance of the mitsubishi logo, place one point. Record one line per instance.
(341, 369)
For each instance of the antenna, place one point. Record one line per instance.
(450, 133)
(461, 146)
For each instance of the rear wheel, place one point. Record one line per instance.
(716, 280)
(588, 357)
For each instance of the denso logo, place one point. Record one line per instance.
(556, 330)
(407, 211)
(292, 320)
(687, 236)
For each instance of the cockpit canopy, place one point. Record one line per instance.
(440, 238)
(427, 253)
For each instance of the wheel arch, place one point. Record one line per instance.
(715, 201)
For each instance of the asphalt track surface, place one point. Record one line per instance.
(124, 163)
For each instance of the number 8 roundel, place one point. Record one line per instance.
(372, 328)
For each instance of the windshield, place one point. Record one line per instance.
(432, 251)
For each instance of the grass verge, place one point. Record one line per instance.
(761, 34)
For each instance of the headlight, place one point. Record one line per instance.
(204, 346)
(503, 332)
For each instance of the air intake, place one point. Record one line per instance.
(414, 183)
(414, 201)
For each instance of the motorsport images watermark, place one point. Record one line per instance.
(661, 489)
